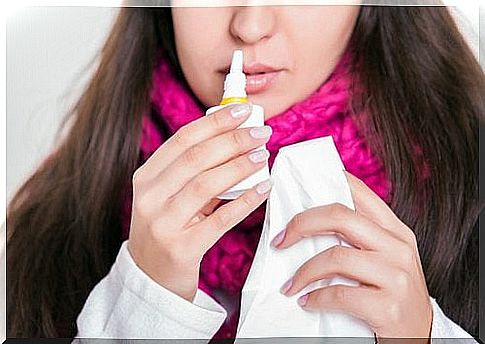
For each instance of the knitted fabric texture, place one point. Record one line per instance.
(225, 266)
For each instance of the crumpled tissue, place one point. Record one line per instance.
(304, 175)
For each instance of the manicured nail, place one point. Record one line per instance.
(279, 238)
(302, 300)
(286, 286)
(263, 187)
(241, 110)
(259, 156)
(261, 132)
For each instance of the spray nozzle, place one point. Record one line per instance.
(235, 82)
(237, 62)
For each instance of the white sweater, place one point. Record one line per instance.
(128, 304)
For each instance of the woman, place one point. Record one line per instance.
(126, 190)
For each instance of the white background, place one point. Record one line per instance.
(47, 51)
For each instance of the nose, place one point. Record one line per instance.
(251, 24)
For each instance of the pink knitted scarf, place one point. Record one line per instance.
(225, 266)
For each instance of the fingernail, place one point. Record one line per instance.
(263, 187)
(286, 286)
(302, 300)
(259, 156)
(279, 238)
(240, 110)
(261, 132)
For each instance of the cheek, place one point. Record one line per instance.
(338, 24)
(326, 32)
(316, 45)
(192, 37)
(197, 46)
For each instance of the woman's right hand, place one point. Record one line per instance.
(174, 221)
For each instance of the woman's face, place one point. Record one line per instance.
(300, 45)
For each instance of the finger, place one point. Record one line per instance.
(205, 211)
(196, 219)
(209, 208)
(361, 302)
(369, 204)
(210, 230)
(210, 184)
(197, 131)
(358, 265)
(207, 155)
(338, 219)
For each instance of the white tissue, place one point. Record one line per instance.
(304, 175)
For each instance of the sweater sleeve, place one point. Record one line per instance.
(128, 304)
(443, 328)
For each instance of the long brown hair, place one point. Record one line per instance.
(423, 87)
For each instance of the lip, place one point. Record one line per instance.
(252, 68)
(255, 68)
(259, 77)
(257, 83)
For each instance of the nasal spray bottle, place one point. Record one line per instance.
(235, 93)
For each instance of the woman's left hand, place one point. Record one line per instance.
(392, 297)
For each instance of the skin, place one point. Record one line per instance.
(272, 35)
(392, 298)
(200, 161)
(167, 240)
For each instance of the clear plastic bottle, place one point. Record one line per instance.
(235, 93)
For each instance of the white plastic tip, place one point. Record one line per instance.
(237, 62)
